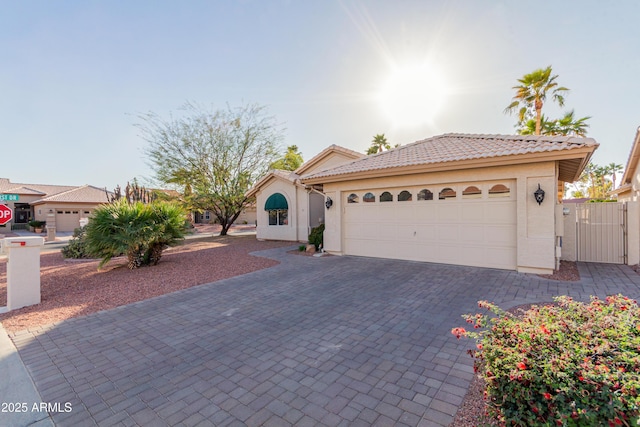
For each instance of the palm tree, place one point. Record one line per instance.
(569, 125)
(378, 144)
(529, 127)
(613, 170)
(140, 231)
(531, 94)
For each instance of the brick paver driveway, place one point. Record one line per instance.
(312, 341)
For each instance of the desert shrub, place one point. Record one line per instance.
(77, 247)
(316, 236)
(569, 364)
(302, 248)
(141, 231)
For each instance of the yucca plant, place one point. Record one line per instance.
(140, 231)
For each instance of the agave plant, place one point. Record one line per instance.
(139, 231)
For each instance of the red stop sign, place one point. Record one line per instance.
(6, 213)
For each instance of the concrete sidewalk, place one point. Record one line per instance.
(17, 389)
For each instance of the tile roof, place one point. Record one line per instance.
(7, 186)
(84, 194)
(24, 191)
(455, 147)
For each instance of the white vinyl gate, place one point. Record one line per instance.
(601, 232)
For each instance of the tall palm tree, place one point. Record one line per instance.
(378, 144)
(569, 125)
(529, 127)
(531, 94)
(613, 170)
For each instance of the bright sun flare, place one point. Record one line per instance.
(412, 96)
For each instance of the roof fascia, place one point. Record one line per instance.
(267, 179)
(583, 152)
(632, 162)
(323, 155)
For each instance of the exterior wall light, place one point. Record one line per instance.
(539, 195)
(328, 203)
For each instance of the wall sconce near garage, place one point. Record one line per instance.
(539, 195)
(328, 203)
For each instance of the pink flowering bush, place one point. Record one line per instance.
(569, 364)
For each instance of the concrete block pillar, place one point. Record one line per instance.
(51, 227)
(23, 271)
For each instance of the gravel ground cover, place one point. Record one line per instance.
(73, 288)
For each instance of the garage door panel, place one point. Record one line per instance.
(500, 257)
(406, 232)
(448, 233)
(501, 212)
(405, 213)
(427, 233)
(385, 231)
(500, 235)
(448, 211)
(472, 233)
(477, 232)
(472, 212)
(425, 212)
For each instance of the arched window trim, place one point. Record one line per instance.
(472, 192)
(369, 197)
(499, 190)
(405, 196)
(447, 193)
(425, 195)
(353, 198)
(386, 196)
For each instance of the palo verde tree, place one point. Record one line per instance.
(218, 154)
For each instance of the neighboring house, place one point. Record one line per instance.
(288, 210)
(629, 188)
(64, 205)
(247, 216)
(455, 199)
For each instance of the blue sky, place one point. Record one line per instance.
(75, 74)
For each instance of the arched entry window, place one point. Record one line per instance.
(278, 209)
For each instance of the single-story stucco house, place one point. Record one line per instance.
(629, 188)
(288, 210)
(456, 199)
(62, 205)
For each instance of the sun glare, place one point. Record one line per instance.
(413, 96)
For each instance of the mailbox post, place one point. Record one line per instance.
(23, 271)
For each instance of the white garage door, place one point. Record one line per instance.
(470, 224)
(67, 219)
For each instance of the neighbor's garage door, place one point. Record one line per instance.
(472, 224)
(67, 220)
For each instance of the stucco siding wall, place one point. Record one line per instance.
(535, 224)
(276, 232)
(302, 215)
(332, 161)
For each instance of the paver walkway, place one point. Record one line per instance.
(313, 341)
